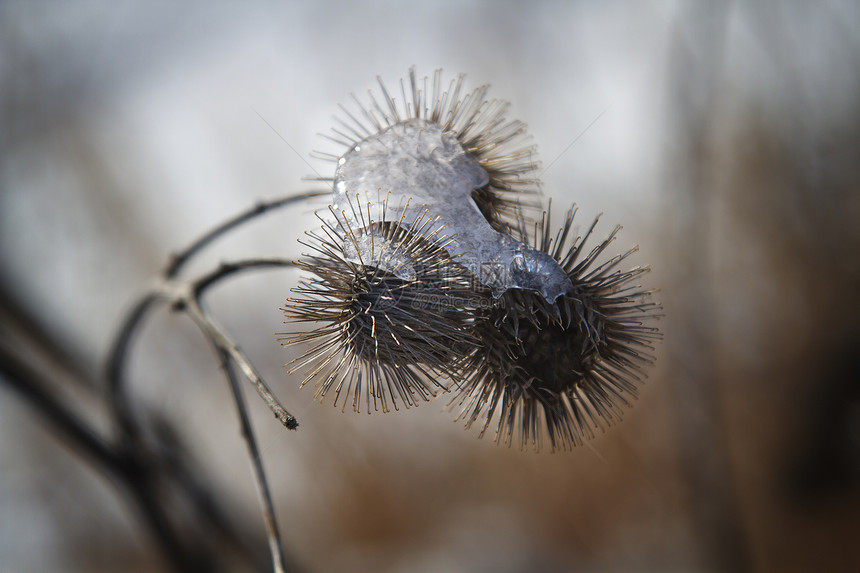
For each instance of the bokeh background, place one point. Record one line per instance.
(725, 137)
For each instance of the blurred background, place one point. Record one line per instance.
(725, 137)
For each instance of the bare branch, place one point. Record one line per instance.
(228, 353)
(223, 342)
(275, 548)
(227, 269)
(117, 358)
(178, 260)
(165, 292)
(186, 296)
(125, 463)
(29, 384)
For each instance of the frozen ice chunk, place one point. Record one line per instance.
(374, 250)
(425, 172)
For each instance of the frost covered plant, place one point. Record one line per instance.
(500, 147)
(423, 279)
(427, 278)
(383, 339)
(550, 372)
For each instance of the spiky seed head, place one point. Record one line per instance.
(501, 146)
(386, 336)
(551, 373)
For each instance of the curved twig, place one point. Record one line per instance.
(178, 259)
(186, 296)
(29, 384)
(224, 270)
(223, 341)
(119, 351)
(228, 352)
(117, 357)
(123, 464)
(272, 532)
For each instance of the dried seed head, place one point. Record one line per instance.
(558, 370)
(416, 159)
(393, 312)
(542, 340)
(500, 146)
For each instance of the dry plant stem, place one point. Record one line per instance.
(186, 296)
(141, 470)
(178, 260)
(129, 460)
(118, 357)
(119, 352)
(224, 270)
(190, 303)
(29, 384)
(263, 492)
(228, 353)
(120, 463)
(26, 328)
